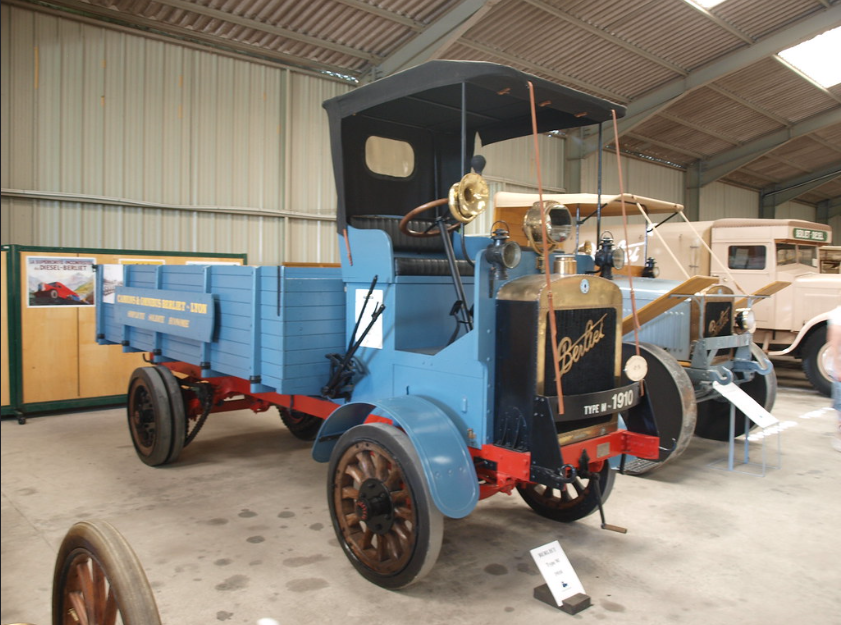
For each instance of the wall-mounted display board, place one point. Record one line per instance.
(50, 357)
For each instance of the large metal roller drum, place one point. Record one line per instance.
(668, 408)
(714, 414)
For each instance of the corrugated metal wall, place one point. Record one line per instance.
(719, 200)
(640, 178)
(795, 210)
(113, 140)
(835, 222)
(511, 166)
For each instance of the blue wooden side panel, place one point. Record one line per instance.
(274, 326)
(301, 327)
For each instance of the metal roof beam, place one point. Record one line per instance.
(782, 121)
(700, 128)
(595, 30)
(825, 143)
(795, 187)
(540, 69)
(385, 13)
(807, 78)
(192, 7)
(721, 23)
(667, 146)
(435, 38)
(730, 161)
(647, 106)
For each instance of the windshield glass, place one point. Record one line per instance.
(792, 254)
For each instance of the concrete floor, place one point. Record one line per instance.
(238, 530)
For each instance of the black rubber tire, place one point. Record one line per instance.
(177, 410)
(115, 579)
(302, 425)
(714, 414)
(670, 396)
(559, 505)
(815, 357)
(149, 416)
(415, 538)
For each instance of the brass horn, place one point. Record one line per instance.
(468, 198)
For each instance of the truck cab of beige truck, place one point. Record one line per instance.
(748, 254)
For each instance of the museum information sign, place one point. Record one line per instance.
(556, 569)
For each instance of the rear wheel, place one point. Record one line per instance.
(150, 416)
(714, 414)
(99, 580)
(573, 501)
(177, 411)
(301, 425)
(816, 362)
(382, 511)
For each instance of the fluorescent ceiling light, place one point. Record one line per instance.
(818, 58)
(708, 4)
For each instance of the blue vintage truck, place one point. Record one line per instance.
(432, 369)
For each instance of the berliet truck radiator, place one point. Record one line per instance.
(586, 339)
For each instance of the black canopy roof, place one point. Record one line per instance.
(429, 98)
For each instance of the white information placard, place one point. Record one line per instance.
(556, 569)
(747, 404)
(375, 335)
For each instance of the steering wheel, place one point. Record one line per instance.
(412, 214)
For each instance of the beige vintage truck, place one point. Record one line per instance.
(748, 254)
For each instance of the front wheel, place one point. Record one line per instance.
(98, 577)
(381, 507)
(573, 501)
(816, 362)
(150, 416)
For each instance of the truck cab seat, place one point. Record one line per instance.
(413, 256)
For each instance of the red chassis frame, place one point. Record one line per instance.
(498, 469)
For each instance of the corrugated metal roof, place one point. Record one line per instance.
(622, 50)
(773, 86)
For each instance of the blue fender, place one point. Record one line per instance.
(444, 457)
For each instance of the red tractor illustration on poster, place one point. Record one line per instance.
(57, 291)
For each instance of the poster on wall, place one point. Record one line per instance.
(57, 281)
(112, 277)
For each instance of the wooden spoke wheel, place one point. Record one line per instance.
(150, 418)
(573, 501)
(382, 511)
(98, 580)
(302, 425)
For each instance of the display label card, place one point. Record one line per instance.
(556, 569)
(747, 404)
